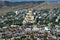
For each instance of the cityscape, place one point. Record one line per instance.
(31, 23)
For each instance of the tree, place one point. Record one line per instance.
(2, 25)
(10, 13)
(8, 36)
(9, 22)
(18, 39)
(18, 22)
(44, 10)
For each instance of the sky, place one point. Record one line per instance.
(27, 0)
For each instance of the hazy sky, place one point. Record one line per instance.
(28, 0)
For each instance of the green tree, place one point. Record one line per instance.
(10, 13)
(2, 25)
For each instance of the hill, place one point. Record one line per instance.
(11, 6)
(47, 5)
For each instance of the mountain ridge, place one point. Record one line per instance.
(7, 6)
(34, 5)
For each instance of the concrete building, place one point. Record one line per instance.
(29, 17)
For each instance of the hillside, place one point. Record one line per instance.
(11, 6)
(45, 5)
